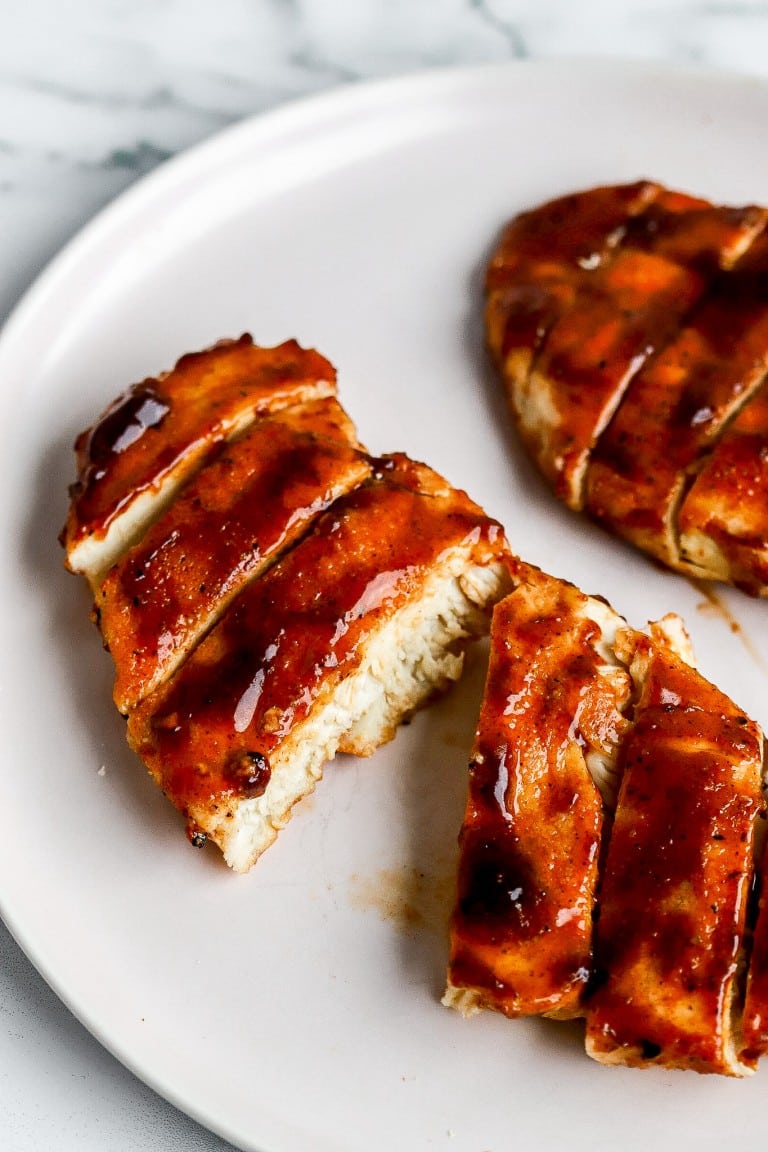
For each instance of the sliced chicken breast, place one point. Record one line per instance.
(154, 437)
(550, 723)
(724, 516)
(628, 307)
(625, 370)
(675, 409)
(349, 632)
(258, 496)
(677, 874)
(541, 262)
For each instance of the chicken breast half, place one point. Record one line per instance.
(346, 635)
(624, 369)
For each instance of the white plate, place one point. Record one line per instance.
(299, 1007)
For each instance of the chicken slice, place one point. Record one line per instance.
(154, 437)
(349, 632)
(627, 308)
(677, 873)
(754, 1029)
(229, 524)
(540, 264)
(724, 517)
(676, 407)
(550, 722)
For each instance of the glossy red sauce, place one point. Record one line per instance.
(290, 637)
(729, 500)
(678, 404)
(755, 1022)
(542, 258)
(233, 519)
(677, 875)
(166, 425)
(586, 328)
(628, 309)
(521, 934)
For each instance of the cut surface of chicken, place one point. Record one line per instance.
(676, 407)
(626, 309)
(724, 516)
(351, 630)
(551, 720)
(135, 458)
(677, 874)
(237, 515)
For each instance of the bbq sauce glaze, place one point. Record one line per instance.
(727, 506)
(542, 258)
(521, 934)
(295, 633)
(585, 325)
(677, 873)
(677, 406)
(163, 425)
(231, 521)
(626, 310)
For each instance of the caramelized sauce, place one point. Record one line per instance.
(677, 874)
(571, 328)
(521, 933)
(233, 520)
(123, 424)
(755, 1022)
(290, 638)
(727, 506)
(167, 424)
(678, 404)
(543, 256)
(625, 311)
(713, 602)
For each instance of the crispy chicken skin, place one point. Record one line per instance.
(351, 630)
(677, 874)
(624, 369)
(137, 455)
(260, 493)
(521, 933)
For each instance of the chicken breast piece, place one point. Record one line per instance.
(258, 496)
(754, 1029)
(625, 371)
(540, 264)
(349, 632)
(676, 407)
(627, 308)
(154, 437)
(724, 516)
(550, 722)
(677, 874)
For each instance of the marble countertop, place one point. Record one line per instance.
(94, 94)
